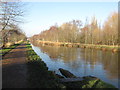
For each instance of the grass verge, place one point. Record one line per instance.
(4, 51)
(38, 74)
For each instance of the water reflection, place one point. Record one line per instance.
(103, 64)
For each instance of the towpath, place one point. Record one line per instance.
(14, 68)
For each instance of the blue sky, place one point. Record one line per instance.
(42, 15)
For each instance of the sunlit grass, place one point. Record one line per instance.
(3, 51)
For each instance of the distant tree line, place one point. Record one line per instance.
(89, 33)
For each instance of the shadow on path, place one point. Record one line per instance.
(14, 68)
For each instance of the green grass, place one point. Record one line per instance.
(38, 74)
(97, 84)
(3, 51)
(102, 84)
(89, 84)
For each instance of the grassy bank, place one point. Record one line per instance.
(38, 74)
(5, 50)
(112, 48)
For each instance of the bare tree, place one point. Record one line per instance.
(11, 12)
(111, 29)
(90, 33)
(10, 16)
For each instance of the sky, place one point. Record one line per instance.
(41, 15)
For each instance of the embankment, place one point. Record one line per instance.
(38, 74)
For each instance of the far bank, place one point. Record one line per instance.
(113, 48)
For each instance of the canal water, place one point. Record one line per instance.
(81, 62)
